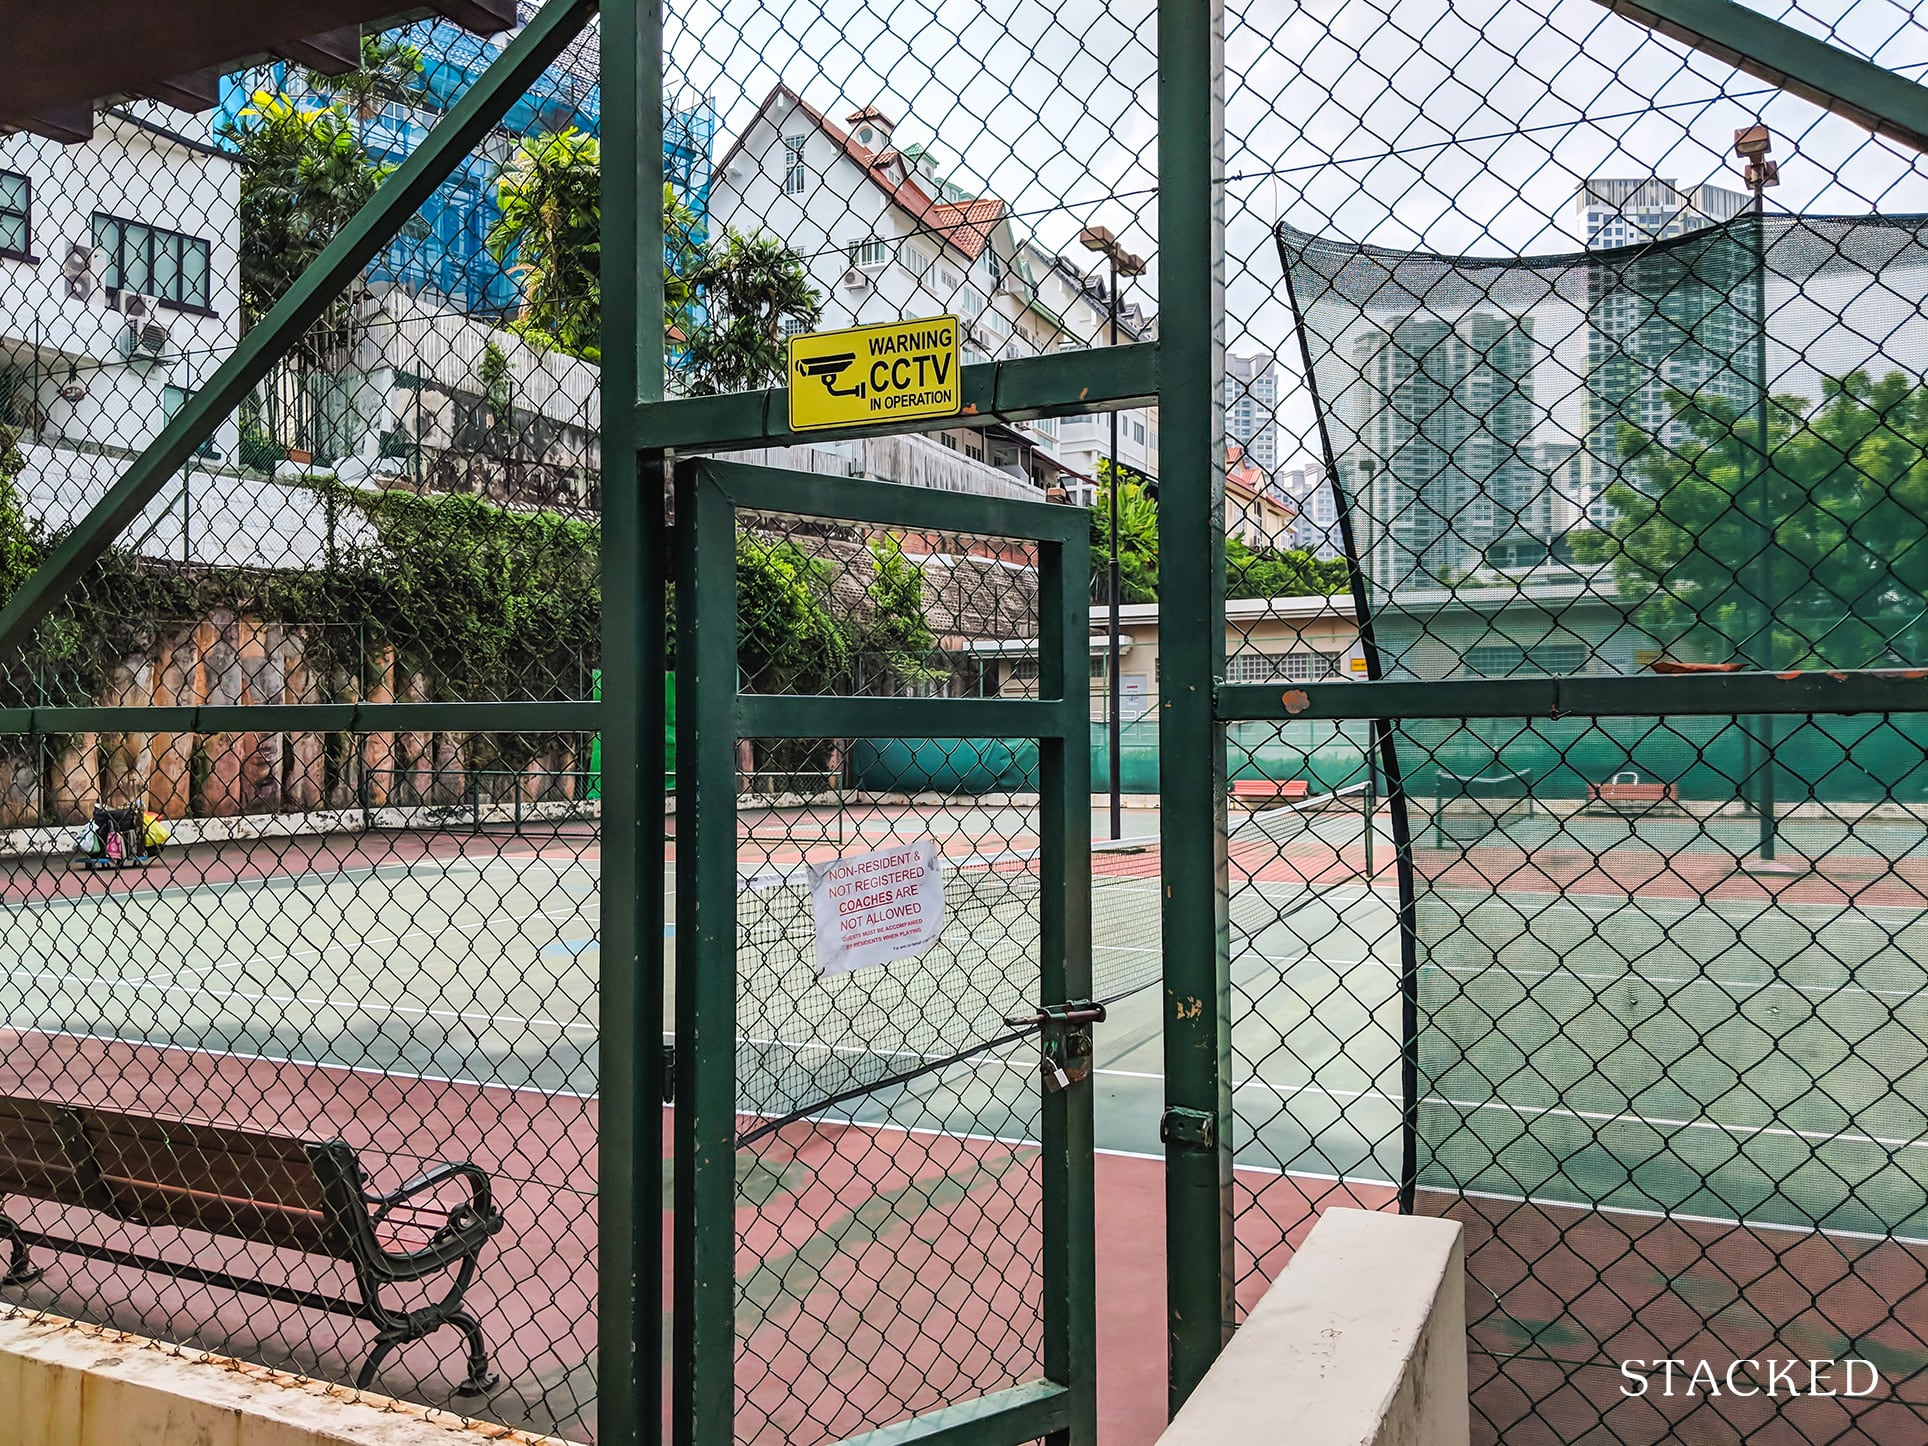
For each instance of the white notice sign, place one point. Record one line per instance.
(875, 907)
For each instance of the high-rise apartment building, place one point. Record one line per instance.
(1628, 212)
(1681, 321)
(1442, 464)
(1251, 406)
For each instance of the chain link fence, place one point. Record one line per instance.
(1530, 333)
(1524, 380)
(300, 1002)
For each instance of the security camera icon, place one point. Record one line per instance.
(829, 368)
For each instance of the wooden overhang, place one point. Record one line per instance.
(64, 58)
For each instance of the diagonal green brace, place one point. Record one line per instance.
(1869, 94)
(398, 198)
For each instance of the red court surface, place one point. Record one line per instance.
(1577, 1285)
(882, 1270)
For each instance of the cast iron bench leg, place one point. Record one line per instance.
(18, 1271)
(481, 1380)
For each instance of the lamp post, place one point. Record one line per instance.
(1121, 263)
(1752, 145)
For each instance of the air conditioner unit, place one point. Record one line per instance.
(79, 273)
(855, 280)
(147, 336)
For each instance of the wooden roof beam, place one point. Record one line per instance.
(484, 17)
(68, 124)
(332, 52)
(197, 90)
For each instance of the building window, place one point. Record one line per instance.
(795, 178)
(793, 327)
(145, 259)
(870, 252)
(976, 454)
(1302, 667)
(16, 216)
(949, 439)
(1498, 660)
(1138, 430)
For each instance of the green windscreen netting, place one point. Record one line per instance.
(1665, 978)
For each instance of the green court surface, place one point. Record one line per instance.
(1701, 1055)
(1711, 1058)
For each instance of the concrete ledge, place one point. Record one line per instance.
(1361, 1341)
(63, 1384)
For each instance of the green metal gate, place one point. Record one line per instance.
(776, 1060)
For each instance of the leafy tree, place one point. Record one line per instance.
(748, 287)
(682, 254)
(497, 381)
(390, 69)
(788, 637)
(1846, 490)
(897, 635)
(1288, 572)
(304, 173)
(1249, 572)
(1137, 536)
(550, 232)
(18, 553)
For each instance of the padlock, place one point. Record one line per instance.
(1054, 1076)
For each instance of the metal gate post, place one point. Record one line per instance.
(703, 1394)
(630, 1064)
(1191, 742)
(1067, 1135)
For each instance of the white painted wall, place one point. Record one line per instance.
(44, 331)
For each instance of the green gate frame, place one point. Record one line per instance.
(1178, 373)
(709, 495)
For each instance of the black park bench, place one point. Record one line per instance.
(261, 1188)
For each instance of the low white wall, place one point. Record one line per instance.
(63, 1384)
(1361, 1341)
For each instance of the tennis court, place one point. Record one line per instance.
(423, 995)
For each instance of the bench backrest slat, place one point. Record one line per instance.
(33, 1159)
(212, 1178)
(204, 1177)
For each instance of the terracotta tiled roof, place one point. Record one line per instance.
(967, 225)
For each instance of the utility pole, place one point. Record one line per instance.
(1120, 262)
(1752, 145)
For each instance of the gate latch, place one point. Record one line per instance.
(1067, 1040)
(1188, 1129)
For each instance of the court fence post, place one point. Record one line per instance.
(1197, 1126)
(630, 1029)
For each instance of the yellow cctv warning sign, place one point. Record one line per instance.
(889, 372)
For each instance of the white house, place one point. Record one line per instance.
(885, 237)
(119, 296)
(1066, 309)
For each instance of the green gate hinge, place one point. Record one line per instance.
(1188, 1129)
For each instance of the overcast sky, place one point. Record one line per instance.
(1461, 127)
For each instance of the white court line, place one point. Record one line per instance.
(1588, 1207)
(1600, 1116)
(295, 1059)
(1631, 973)
(348, 1007)
(307, 951)
(989, 1058)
